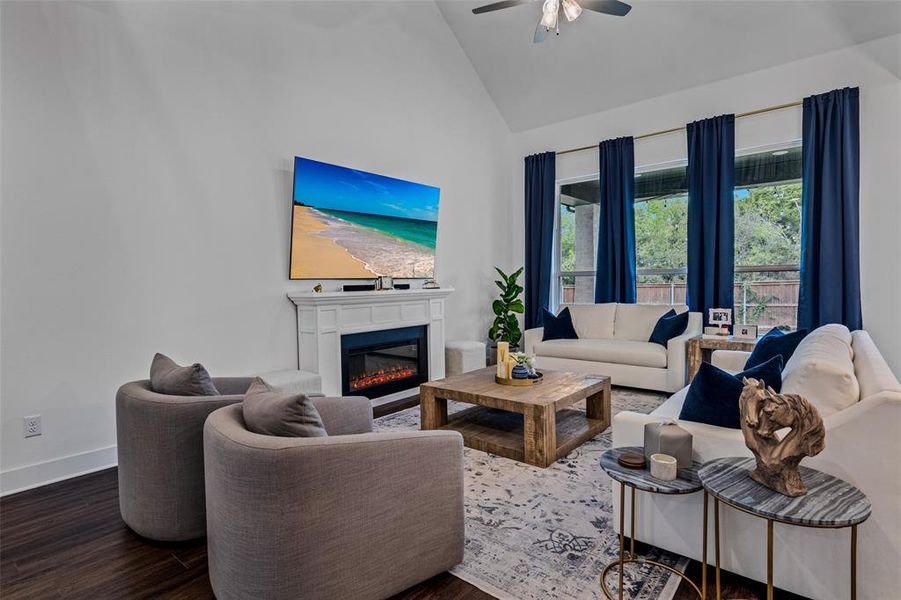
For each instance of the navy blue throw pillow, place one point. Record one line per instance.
(713, 395)
(669, 326)
(559, 327)
(774, 343)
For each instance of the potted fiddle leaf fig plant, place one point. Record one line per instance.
(505, 327)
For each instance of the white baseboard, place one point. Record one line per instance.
(24, 478)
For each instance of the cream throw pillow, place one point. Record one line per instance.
(822, 370)
(593, 321)
(636, 322)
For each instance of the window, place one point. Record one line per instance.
(768, 237)
(577, 231)
(661, 221)
(661, 234)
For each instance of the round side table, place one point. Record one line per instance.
(686, 482)
(830, 503)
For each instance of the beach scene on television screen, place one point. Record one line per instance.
(350, 224)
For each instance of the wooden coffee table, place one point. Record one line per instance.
(532, 424)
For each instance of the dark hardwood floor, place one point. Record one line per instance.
(66, 540)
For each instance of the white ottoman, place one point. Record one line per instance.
(292, 381)
(460, 357)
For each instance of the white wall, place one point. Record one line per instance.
(873, 66)
(146, 178)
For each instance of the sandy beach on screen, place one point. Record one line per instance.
(315, 256)
(327, 247)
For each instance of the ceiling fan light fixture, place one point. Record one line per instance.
(571, 9)
(549, 13)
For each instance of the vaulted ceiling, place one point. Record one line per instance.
(599, 62)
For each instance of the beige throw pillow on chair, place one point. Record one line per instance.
(269, 412)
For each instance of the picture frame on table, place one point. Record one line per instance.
(745, 332)
(720, 316)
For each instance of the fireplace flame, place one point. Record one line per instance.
(379, 377)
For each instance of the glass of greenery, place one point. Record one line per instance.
(505, 327)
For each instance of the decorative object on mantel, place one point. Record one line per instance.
(763, 413)
(384, 282)
(668, 438)
(506, 325)
(431, 284)
(317, 288)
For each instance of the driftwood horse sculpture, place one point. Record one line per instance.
(763, 413)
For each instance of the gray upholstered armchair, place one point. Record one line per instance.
(160, 445)
(352, 515)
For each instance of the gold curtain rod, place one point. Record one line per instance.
(675, 129)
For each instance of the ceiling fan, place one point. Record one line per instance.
(550, 11)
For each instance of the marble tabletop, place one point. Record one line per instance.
(829, 502)
(686, 481)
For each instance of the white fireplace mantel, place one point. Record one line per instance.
(322, 318)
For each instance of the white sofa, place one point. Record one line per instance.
(860, 400)
(613, 340)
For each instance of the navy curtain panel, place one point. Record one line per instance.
(615, 279)
(711, 208)
(830, 259)
(539, 224)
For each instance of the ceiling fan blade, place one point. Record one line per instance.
(608, 7)
(540, 34)
(499, 5)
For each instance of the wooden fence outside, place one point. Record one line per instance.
(764, 303)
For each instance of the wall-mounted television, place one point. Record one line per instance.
(350, 224)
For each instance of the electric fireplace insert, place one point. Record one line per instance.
(378, 363)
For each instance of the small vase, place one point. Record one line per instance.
(520, 372)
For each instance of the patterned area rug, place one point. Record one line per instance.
(547, 533)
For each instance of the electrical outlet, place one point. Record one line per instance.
(32, 425)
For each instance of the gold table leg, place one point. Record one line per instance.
(853, 562)
(632, 558)
(769, 559)
(716, 543)
(622, 531)
(704, 553)
(632, 526)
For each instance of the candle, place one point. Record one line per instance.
(663, 466)
(511, 362)
(503, 350)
